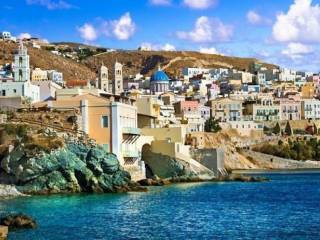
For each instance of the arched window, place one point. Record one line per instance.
(20, 61)
(20, 75)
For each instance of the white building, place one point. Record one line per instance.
(6, 36)
(287, 75)
(310, 109)
(192, 72)
(47, 89)
(56, 77)
(16, 89)
(125, 133)
(261, 78)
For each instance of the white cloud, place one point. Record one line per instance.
(208, 30)
(160, 2)
(199, 4)
(51, 4)
(88, 32)
(211, 50)
(297, 50)
(157, 47)
(300, 24)
(24, 36)
(253, 17)
(124, 28)
(121, 29)
(168, 47)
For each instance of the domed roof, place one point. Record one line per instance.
(159, 76)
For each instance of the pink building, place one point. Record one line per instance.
(186, 107)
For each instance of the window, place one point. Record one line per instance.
(104, 122)
(3, 92)
(15, 90)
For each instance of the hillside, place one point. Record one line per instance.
(46, 60)
(172, 62)
(134, 61)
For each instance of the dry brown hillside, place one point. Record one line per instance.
(173, 62)
(46, 60)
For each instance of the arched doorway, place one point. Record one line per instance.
(145, 156)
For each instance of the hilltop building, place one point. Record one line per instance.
(21, 85)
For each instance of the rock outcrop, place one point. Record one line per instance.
(74, 168)
(19, 221)
(9, 191)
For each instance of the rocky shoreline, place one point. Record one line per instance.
(75, 168)
(176, 180)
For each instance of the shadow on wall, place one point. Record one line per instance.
(161, 165)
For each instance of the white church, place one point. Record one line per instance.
(21, 85)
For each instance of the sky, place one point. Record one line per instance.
(284, 32)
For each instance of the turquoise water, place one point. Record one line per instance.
(285, 208)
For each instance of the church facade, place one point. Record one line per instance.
(21, 85)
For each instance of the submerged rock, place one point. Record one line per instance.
(4, 230)
(20, 221)
(242, 178)
(73, 169)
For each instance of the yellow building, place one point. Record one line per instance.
(39, 75)
(308, 90)
(148, 110)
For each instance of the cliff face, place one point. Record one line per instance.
(73, 169)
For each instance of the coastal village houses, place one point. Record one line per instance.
(162, 113)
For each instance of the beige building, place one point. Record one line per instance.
(265, 109)
(226, 109)
(112, 122)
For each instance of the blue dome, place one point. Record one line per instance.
(159, 76)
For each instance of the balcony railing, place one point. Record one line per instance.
(130, 154)
(131, 131)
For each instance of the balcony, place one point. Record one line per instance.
(131, 131)
(130, 153)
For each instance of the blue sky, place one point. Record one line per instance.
(285, 32)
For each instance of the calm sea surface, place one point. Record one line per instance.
(288, 207)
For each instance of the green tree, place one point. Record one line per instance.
(212, 125)
(277, 129)
(288, 129)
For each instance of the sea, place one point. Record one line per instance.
(286, 207)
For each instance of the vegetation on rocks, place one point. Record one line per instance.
(298, 149)
(212, 125)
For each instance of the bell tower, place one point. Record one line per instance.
(118, 79)
(21, 64)
(103, 78)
